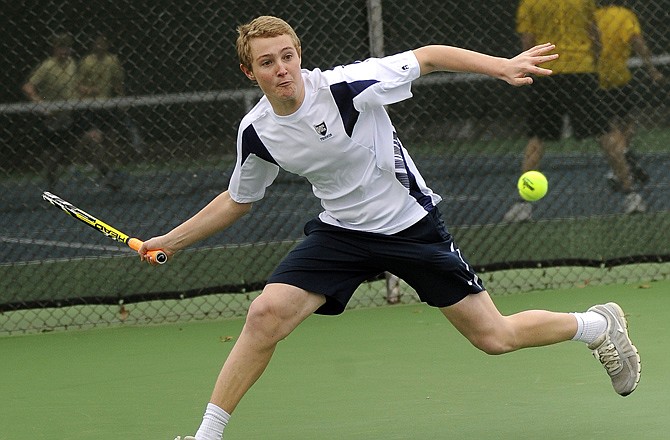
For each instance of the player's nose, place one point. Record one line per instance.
(281, 69)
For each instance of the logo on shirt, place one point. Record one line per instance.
(322, 131)
(405, 67)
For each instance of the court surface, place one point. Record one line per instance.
(397, 372)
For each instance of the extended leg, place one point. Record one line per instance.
(271, 317)
(603, 327)
(478, 319)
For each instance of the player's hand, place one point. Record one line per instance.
(519, 70)
(153, 244)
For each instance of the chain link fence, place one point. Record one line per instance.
(156, 142)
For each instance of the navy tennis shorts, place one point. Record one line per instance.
(334, 261)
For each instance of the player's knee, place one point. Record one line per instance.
(260, 312)
(264, 319)
(493, 343)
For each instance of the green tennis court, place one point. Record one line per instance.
(397, 372)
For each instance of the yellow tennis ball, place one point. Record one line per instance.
(532, 186)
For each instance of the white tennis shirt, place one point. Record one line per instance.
(343, 142)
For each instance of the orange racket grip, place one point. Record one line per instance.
(159, 256)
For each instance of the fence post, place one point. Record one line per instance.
(376, 37)
(375, 28)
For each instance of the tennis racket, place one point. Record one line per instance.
(158, 256)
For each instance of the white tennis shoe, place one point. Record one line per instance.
(615, 350)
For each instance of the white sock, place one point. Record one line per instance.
(590, 325)
(213, 422)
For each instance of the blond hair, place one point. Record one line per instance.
(264, 26)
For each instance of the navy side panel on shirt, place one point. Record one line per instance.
(344, 94)
(408, 178)
(252, 144)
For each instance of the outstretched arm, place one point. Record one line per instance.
(515, 70)
(218, 215)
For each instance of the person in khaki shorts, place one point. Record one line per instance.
(101, 77)
(55, 79)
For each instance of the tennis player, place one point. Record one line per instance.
(331, 127)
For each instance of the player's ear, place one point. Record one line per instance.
(249, 74)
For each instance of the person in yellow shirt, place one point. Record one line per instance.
(55, 79)
(101, 77)
(621, 34)
(572, 88)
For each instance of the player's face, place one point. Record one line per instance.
(276, 68)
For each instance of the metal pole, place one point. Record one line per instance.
(375, 28)
(376, 37)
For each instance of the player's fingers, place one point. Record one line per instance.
(542, 48)
(542, 71)
(544, 58)
(143, 250)
(152, 251)
(522, 81)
